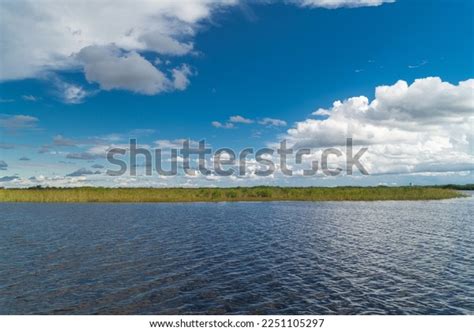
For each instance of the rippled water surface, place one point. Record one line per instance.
(238, 258)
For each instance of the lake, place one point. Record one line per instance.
(238, 258)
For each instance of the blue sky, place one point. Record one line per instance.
(281, 61)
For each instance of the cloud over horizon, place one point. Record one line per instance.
(408, 128)
(80, 77)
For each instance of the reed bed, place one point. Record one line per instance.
(261, 193)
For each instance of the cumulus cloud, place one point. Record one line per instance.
(230, 124)
(240, 119)
(73, 36)
(409, 128)
(322, 112)
(64, 34)
(272, 122)
(113, 69)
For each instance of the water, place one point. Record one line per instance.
(238, 258)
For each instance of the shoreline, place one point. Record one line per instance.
(236, 194)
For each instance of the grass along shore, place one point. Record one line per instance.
(260, 193)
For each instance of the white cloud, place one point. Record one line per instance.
(39, 37)
(243, 120)
(29, 97)
(62, 30)
(240, 119)
(49, 181)
(322, 112)
(220, 125)
(181, 77)
(72, 94)
(415, 66)
(163, 44)
(232, 120)
(331, 4)
(272, 122)
(112, 69)
(422, 127)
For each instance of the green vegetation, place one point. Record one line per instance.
(259, 193)
(465, 187)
